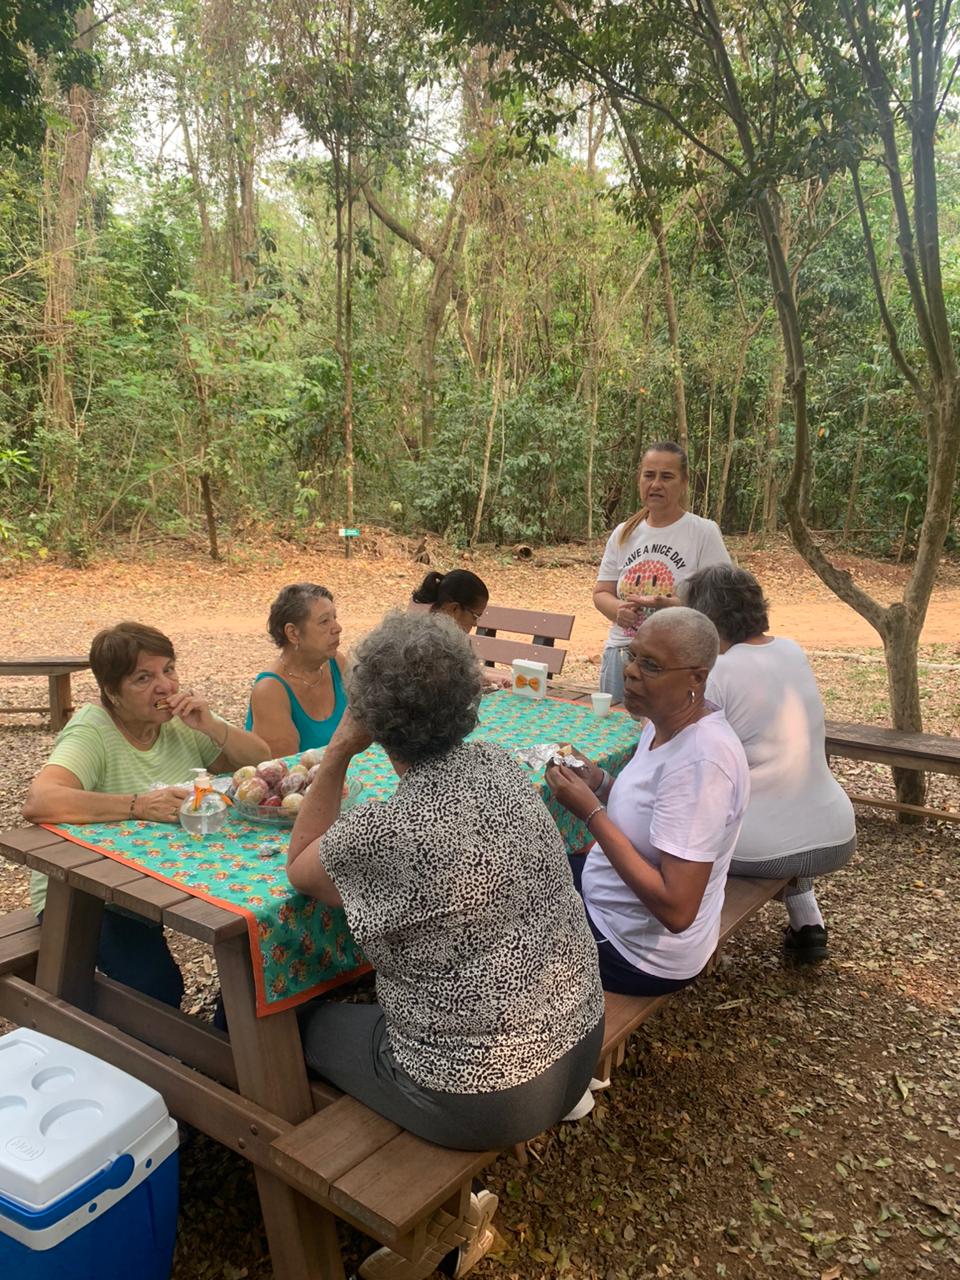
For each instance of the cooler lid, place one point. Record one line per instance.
(64, 1115)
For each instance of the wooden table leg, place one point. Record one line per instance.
(61, 700)
(271, 1071)
(69, 941)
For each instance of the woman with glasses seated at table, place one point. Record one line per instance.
(489, 1019)
(800, 821)
(666, 828)
(297, 703)
(105, 766)
(461, 596)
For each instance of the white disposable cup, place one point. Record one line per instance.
(601, 703)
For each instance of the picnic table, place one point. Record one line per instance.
(249, 1090)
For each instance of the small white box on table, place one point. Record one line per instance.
(529, 678)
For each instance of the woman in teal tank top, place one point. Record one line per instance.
(297, 703)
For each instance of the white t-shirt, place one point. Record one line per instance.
(685, 798)
(654, 562)
(770, 698)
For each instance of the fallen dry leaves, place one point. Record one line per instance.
(768, 1123)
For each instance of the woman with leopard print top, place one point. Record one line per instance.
(489, 1018)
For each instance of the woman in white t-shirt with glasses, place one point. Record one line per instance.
(649, 555)
(800, 821)
(665, 830)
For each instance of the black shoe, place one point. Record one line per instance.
(807, 945)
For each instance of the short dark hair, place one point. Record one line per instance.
(459, 586)
(292, 606)
(115, 650)
(731, 598)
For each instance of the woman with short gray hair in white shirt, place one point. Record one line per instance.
(800, 821)
(664, 831)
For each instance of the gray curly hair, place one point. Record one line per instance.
(416, 685)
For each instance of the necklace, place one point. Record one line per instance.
(139, 742)
(311, 684)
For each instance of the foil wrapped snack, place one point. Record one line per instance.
(547, 753)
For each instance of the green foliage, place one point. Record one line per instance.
(182, 366)
(31, 29)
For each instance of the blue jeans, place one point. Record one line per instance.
(611, 672)
(134, 951)
(617, 975)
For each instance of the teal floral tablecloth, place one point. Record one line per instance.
(301, 948)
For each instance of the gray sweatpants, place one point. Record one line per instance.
(347, 1044)
(802, 868)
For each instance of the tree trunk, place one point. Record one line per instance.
(774, 408)
(901, 635)
(673, 328)
(199, 186)
(206, 494)
(491, 423)
(77, 149)
(720, 500)
(246, 171)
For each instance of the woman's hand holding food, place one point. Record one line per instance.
(160, 805)
(591, 773)
(571, 790)
(195, 713)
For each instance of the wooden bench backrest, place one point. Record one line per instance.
(527, 622)
(542, 628)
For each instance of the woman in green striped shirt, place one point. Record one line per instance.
(106, 764)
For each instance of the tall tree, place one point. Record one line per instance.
(71, 152)
(802, 106)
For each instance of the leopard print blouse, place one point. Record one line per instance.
(459, 891)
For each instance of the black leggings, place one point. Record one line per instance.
(617, 975)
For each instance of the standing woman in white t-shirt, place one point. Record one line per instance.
(649, 555)
(800, 821)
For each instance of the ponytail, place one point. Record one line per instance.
(428, 589)
(459, 586)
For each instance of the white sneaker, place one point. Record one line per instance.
(583, 1107)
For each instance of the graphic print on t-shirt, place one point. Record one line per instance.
(648, 577)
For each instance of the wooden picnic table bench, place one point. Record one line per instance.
(928, 752)
(317, 1154)
(925, 752)
(58, 672)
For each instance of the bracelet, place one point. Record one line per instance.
(221, 745)
(604, 779)
(601, 808)
(133, 800)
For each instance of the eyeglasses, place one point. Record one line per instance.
(648, 667)
(473, 613)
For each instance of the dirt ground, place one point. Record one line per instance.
(768, 1123)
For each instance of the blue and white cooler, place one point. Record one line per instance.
(88, 1167)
